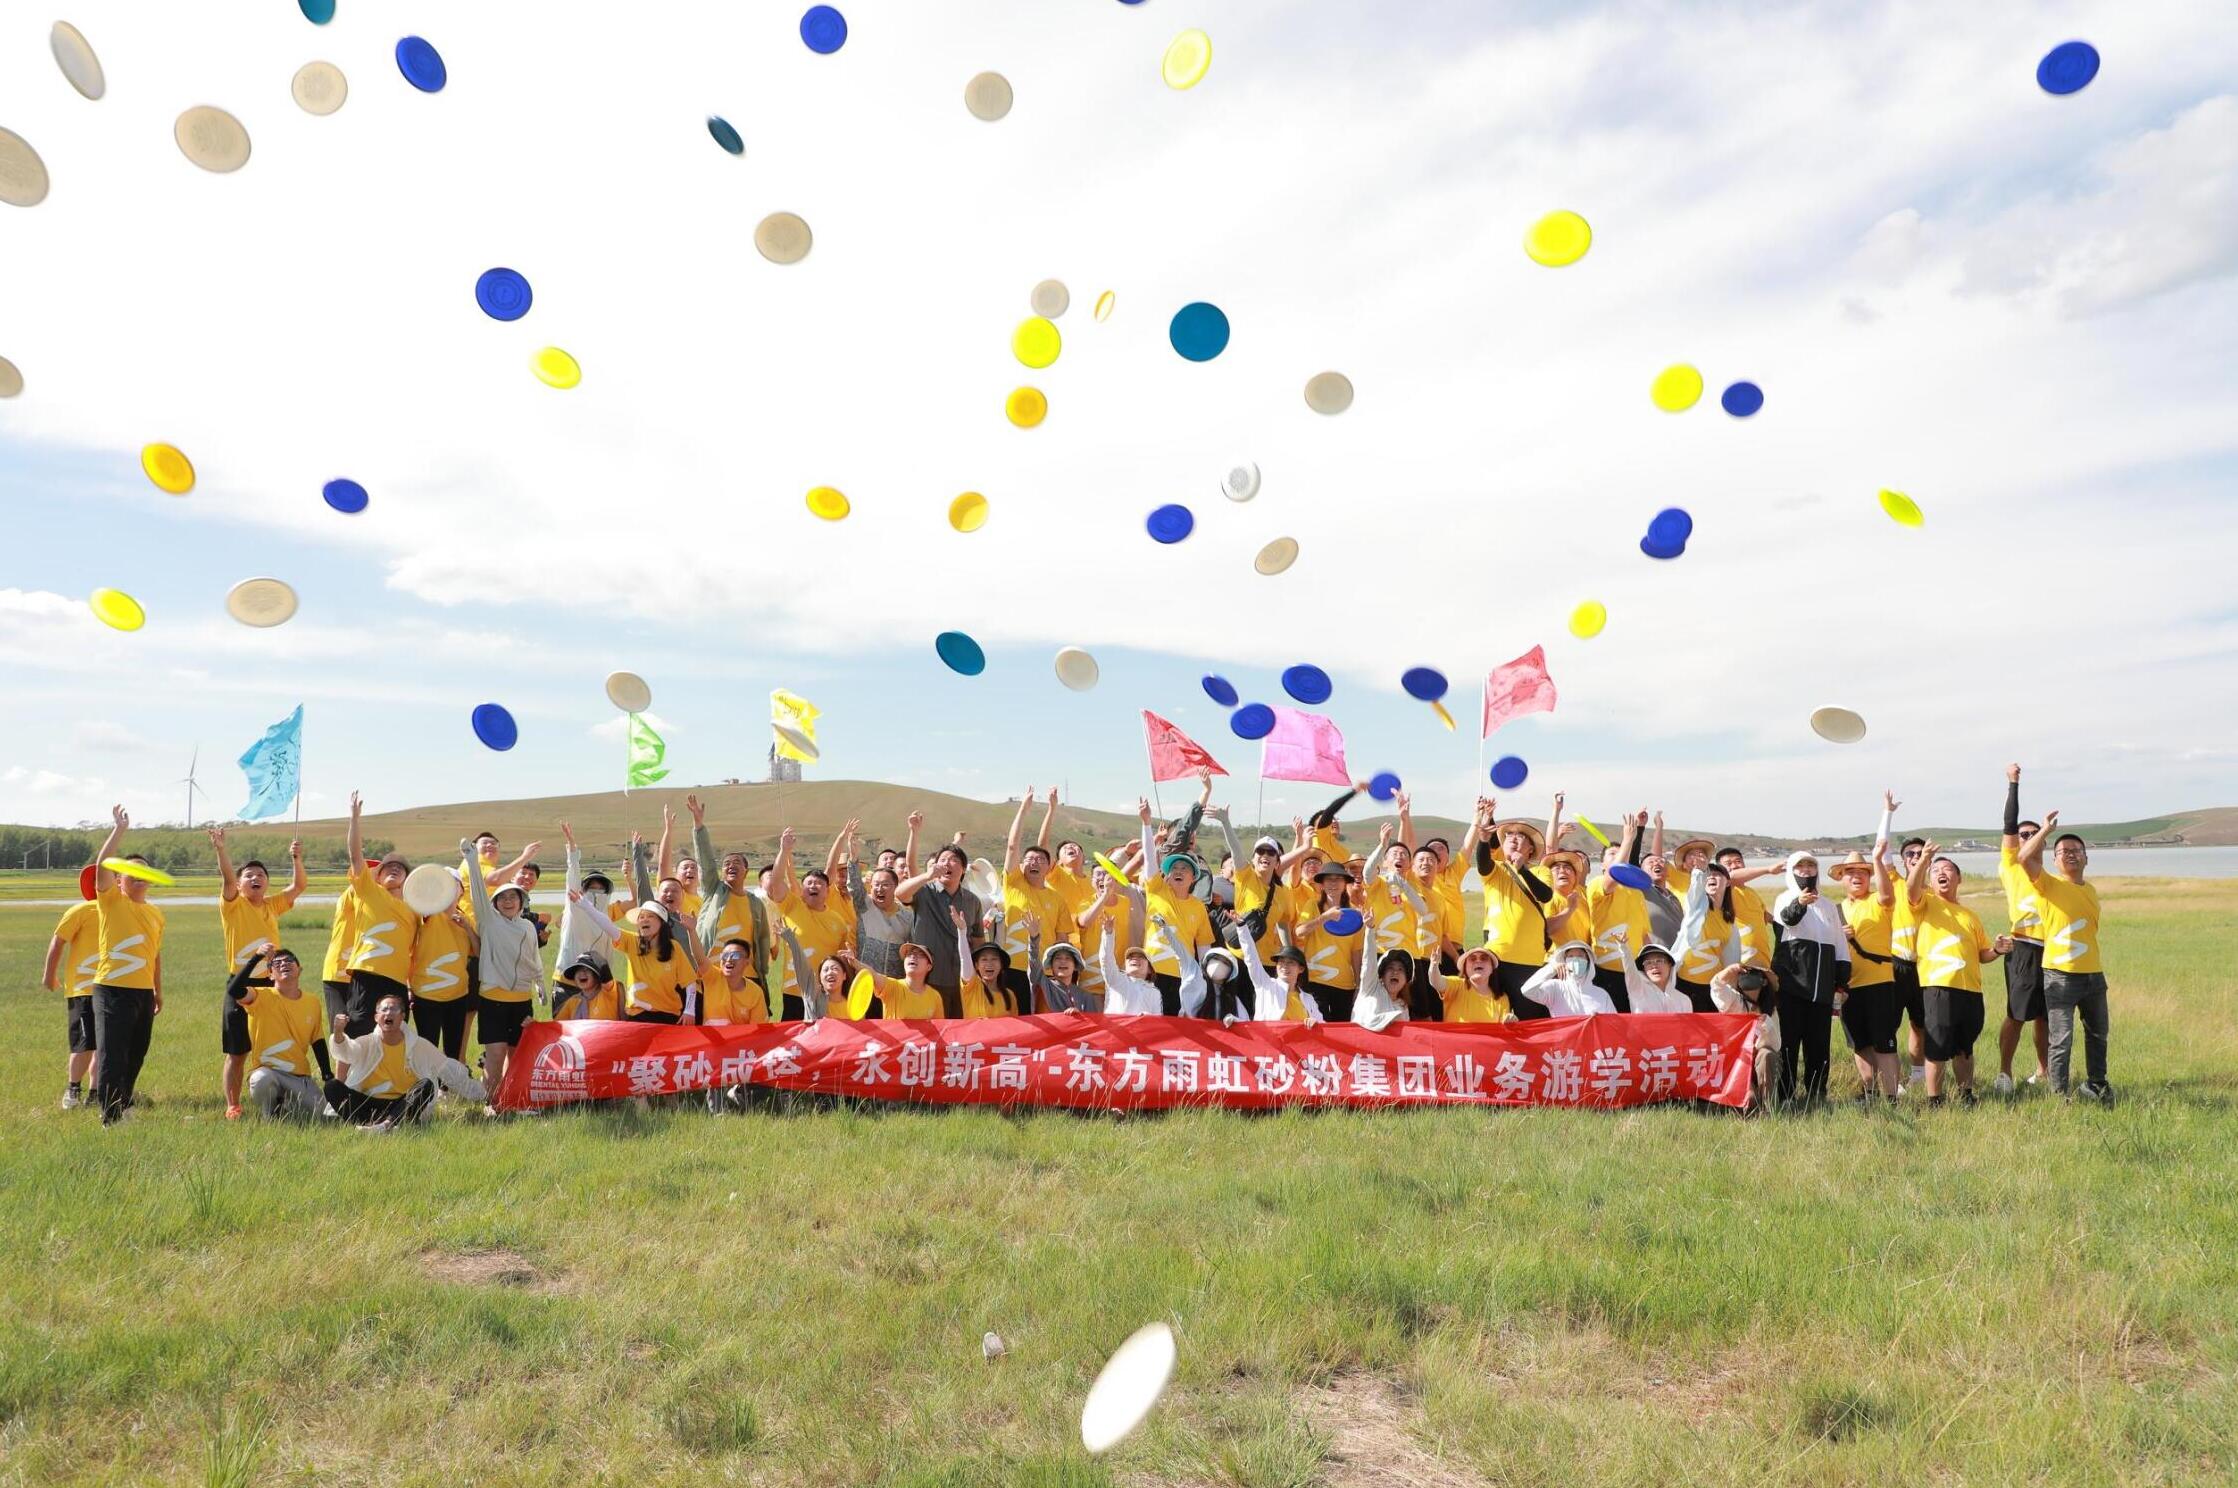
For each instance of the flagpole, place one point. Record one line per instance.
(299, 775)
(1150, 758)
(1476, 781)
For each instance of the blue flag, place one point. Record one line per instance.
(274, 766)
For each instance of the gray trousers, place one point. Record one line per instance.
(2066, 995)
(278, 1093)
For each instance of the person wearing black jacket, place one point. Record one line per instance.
(1813, 962)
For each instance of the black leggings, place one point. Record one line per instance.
(1510, 978)
(1612, 983)
(1169, 993)
(356, 1105)
(123, 1022)
(1335, 1002)
(1806, 1029)
(443, 1023)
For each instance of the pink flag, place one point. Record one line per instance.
(1173, 754)
(1303, 746)
(1520, 687)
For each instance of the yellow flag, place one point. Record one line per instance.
(793, 719)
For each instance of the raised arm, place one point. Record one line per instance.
(2011, 840)
(1915, 881)
(1628, 846)
(477, 887)
(781, 883)
(714, 893)
(227, 893)
(1228, 842)
(909, 846)
(1655, 848)
(664, 860)
(1479, 824)
(841, 847)
(574, 880)
(1017, 834)
(1048, 815)
(353, 841)
(1554, 824)
(640, 882)
(2031, 854)
(1883, 890)
(1406, 822)
(296, 879)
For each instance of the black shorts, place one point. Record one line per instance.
(366, 991)
(1954, 1022)
(1698, 993)
(1612, 983)
(337, 999)
(1020, 987)
(233, 1026)
(2024, 981)
(1908, 1001)
(442, 1023)
(473, 980)
(648, 1015)
(80, 1011)
(1509, 978)
(502, 1022)
(1869, 1017)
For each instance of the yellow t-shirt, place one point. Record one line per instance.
(750, 1004)
(821, 932)
(1903, 921)
(1187, 916)
(1570, 917)
(981, 1001)
(2068, 913)
(1448, 918)
(1121, 917)
(896, 999)
(1464, 1004)
(131, 940)
(390, 1076)
(655, 986)
(1074, 888)
(1620, 923)
(1020, 899)
(1331, 960)
(79, 930)
(282, 1030)
(341, 939)
(1871, 924)
(244, 924)
(689, 903)
(385, 926)
(1453, 907)
(1514, 923)
(1755, 922)
(1706, 956)
(2020, 896)
(1397, 925)
(439, 960)
(1950, 942)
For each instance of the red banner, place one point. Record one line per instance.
(1090, 1060)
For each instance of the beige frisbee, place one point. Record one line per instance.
(1328, 392)
(74, 55)
(1077, 669)
(11, 381)
(782, 238)
(628, 692)
(1276, 556)
(23, 175)
(1051, 299)
(988, 96)
(262, 603)
(320, 88)
(212, 139)
(1130, 1384)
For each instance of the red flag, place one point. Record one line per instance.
(1173, 754)
(1520, 687)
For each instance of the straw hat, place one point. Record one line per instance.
(1538, 838)
(1855, 862)
(1575, 859)
(1689, 845)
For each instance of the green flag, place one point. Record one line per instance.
(646, 751)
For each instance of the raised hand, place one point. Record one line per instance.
(957, 917)
(217, 836)
(2012, 774)
(1889, 801)
(785, 841)
(295, 847)
(567, 834)
(698, 809)
(915, 819)
(1142, 809)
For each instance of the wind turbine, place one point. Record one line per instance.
(189, 783)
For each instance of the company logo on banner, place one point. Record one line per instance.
(1090, 1060)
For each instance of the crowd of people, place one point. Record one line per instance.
(1302, 930)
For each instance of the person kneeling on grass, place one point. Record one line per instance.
(388, 1077)
(283, 1033)
(1750, 989)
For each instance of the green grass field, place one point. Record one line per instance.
(2022, 1293)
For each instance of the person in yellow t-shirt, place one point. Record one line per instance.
(388, 1078)
(1517, 901)
(1903, 933)
(1170, 895)
(74, 955)
(128, 981)
(1952, 947)
(341, 939)
(1473, 994)
(1750, 917)
(586, 991)
(1112, 908)
(248, 916)
(1028, 894)
(2024, 968)
(813, 913)
(2074, 976)
(906, 996)
(984, 992)
(1869, 1010)
(380, 962)
(658, 980)
(1617, 917)
(286, 1033)
(732, 995)
(1332, 952)
(441, 948)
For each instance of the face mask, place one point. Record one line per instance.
(1806, 882)
(1580, 967)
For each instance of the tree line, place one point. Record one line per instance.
(175, 849)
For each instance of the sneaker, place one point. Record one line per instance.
(233, 1113)
(1966, 1096)
(2037, 1078)
(72, 1099)
(383, 1125)
(2004, 1085)
(1901, 1087)
(2096, 1090)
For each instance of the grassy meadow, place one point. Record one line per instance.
(2025, 1292)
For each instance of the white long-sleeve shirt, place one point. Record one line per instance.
(355, 1060)
(1123, 993)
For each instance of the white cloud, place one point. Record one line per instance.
(106, 736)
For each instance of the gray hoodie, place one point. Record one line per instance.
(511, 959)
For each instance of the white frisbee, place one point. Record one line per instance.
(1077, 669)
(262, 603)
(320, 88)
(797, 740)
(1838, 725)
(782, 238)
(982, 879)
(11, 380)
(212, 139)
(430, 889)
(1050, 299)
(988, 96)
(1129, 1386)
(628, 692)
(1328, 392)
(23, 175)
(1276, 556)
(74, 55)
(1241, 482)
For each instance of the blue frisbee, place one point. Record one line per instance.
(495, 727)
(1654, 549)
(1509, 771)
(345, 496)
(2067, 68)
(1171, 523)
(960, 652)
(1383, 785)
(1742, 399)
(727, 137)
(1671, 527)
(1199, 331)
(421, 64)
(1252, 721)
(503, 294)
(317, 12)
(1629, 876)
(1425, 684)
(1307, 683)
(1220, 690)
(824, 29)
(1347, 922)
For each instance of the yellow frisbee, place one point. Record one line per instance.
(1598, 835)
(859, 994)
(1118, 874)
(1104, 302)
(1902, 508)
(1188, 57)
(117, 609)
(1676, 388)
(1026, 407)
(1444, 717)
(555, 368)
(828, 503)
(126, 868)
(1558, 239)
(1036, 342)
(168, 468)
(1587, 619)
(968, 512)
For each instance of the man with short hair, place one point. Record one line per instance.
(1028, 895)
(380, 962)
(284, 1033)
(2024, 968)
(729, 910)
(128, 982)
(2074, 976)
(933, 897)
(1903, 935)
(1952, 947)
(813, 914)
(248, 916)
(387, 1078)
(74, 955)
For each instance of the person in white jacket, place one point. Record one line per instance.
(1814, 966)
(1651, 982)
(1565, 985)
(1386, 982)
(578, 935)
(388, 1077)
(1276, 995)
(1129, 990)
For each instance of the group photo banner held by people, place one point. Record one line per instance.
(1091, 1061)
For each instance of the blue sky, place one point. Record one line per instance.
(2016, 308)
